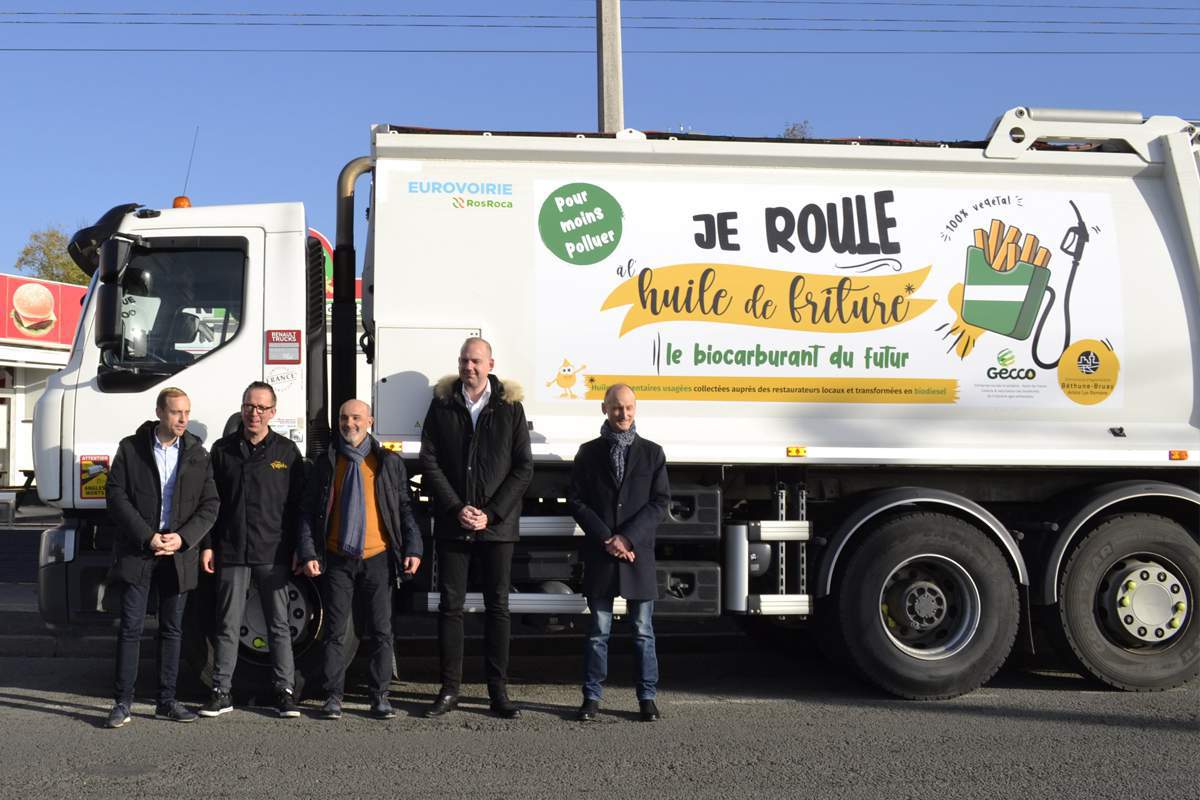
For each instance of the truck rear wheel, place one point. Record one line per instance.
(1127, 600)
(928, 607)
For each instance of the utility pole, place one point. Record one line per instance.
(610, 93)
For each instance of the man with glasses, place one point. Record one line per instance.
(260, 477)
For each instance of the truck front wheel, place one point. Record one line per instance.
(1127, 601)
(253, 679)
(928, 607)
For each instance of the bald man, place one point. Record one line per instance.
(358, 516)
(619, 494)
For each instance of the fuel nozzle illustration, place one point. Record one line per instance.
(1007, 279)
(1074, 240)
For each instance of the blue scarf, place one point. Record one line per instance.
(618, 446)
(353, 534)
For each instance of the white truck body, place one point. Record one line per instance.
(928, 394)
(445, 257)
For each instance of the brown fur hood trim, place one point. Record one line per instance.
(510, 391)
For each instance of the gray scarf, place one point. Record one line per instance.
(618, 446)
(353, 534)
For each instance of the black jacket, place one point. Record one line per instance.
(391, 492)
(260, 494)
(488, 467)
(633, 509)
(135, 499)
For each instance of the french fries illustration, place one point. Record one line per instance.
(1003, 247)
(1004, 285)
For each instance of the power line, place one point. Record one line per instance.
(589, 27)
(588, 51)
(923, 3)
(230, 16)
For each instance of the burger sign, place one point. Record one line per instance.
(33, 309)
(38, 312)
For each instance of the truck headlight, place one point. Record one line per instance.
(57, 546)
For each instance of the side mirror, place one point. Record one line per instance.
(108, 316)
(114, 257)
(184, 328)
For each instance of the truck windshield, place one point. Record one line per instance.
(177, 306)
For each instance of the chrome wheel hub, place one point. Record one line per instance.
(930, 607)
(1143, 601)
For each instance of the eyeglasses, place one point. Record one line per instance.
(250, 408)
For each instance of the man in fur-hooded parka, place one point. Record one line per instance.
(475, 464)
(486, 464)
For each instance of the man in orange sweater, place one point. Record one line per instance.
(358, 516)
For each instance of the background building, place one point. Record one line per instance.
(37, 327)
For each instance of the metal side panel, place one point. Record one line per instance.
(737, 567)
(549, 526)
(521, 603)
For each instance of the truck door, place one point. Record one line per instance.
(191, 307)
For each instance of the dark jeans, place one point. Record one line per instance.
(495, 562)
(233, 588)
(645, 657)
(371, 579)
(171, 602)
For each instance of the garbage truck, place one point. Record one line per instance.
(933, 400)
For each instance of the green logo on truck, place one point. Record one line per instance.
(580, 223)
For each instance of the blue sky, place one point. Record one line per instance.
(89, 124)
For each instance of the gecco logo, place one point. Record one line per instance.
(1004, 374)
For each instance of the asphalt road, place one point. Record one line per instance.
(740, 723)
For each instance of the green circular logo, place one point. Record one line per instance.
(580, 223)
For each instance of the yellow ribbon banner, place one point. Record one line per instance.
(735, 294)
(780, 390)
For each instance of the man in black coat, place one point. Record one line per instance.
(476, 462)
(357, 519)
(162, 500)
(260, 478)
(619, 494)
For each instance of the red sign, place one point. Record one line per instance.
(39, 313)
(283, 347)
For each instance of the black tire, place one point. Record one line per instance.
(1118, 645)
(928, 607)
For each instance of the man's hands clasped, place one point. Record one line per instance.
(166, 543)
(619, 547)
(472, 519)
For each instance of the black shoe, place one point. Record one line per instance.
(503, 707)
(332, 708)
(382, 709)
(118, 716)
(219, 703)
(174, 711)
(285, 706)
(444, 704)
(588, 711)
(648, 711)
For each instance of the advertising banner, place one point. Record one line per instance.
(39, 313)
(865, 293)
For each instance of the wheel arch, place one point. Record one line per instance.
(878, 504)
(1166, 499)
